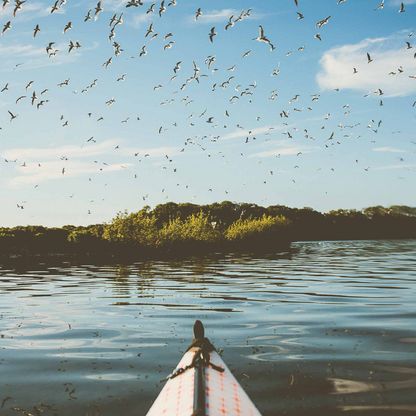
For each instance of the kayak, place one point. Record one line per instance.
(202, 385)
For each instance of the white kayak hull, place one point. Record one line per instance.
(223, 394)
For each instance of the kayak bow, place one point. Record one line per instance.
(202, 385)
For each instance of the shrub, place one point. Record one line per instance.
(139, 228)
(195, 228)
(247, 229)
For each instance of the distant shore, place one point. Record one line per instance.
(181, 230)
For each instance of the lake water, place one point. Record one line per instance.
(327, 328)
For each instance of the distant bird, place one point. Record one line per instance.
(143, 51)
(67, 27)
(12, 116)
(98, 10)
(7, 26)
(149, 30)
(402, 9)
(162, 8)
(262, 38)
(212, 34)
(322, 22)
(177, 67)
(5, 88)
(230, 23)
(380, 6)
(369, 58)
(198, 13)
(88, 16)
(36, 30)
(151, 9)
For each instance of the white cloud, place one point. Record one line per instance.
(34, 174)
(388, 54)
(388, 149)
(139, 19)
(214, 16)
(29, 11)
(35, 165)
(396, 167)
(222, 15)
(282, 151)
(21, 51)
(106, 147)
(257, 131)
(69, 151)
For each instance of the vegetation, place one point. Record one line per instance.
(183, 229)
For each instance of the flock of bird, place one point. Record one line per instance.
(53, 49)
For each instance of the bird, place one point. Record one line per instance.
(149, 30)
(212, 34)
(36, 30)
(177, 67)
(262, 38)
(380, 6)
(7, 26)
(198, 13)
(67, 27)
(98, 10)
(322, 22)
(402, 9)
(143, 51)
(230, 23)
(12, 116)
(162, 8)
(369, 58)
(5, 88)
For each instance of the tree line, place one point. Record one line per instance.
(185, 228)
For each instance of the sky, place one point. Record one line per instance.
(325, 119)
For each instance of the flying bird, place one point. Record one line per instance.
(212, 34)
(12, 116)
(262, 38)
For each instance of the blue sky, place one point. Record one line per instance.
(314, 134)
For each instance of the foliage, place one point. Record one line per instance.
(139, 228)
(246, 228)
(196, 228)
(184, 228)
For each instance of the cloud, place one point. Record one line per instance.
(106, 147)
(222, 15)
(257, 131)
(29, 11)
(69, 151)
(282, 151)
(21, 51)
(388, 54)
(396, 167)
(35, 165)
(138, 19)
(34, 174)
(387, 149)
(35, 57)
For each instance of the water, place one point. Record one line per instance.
(328, 328)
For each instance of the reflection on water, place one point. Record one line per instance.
(328, 328)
